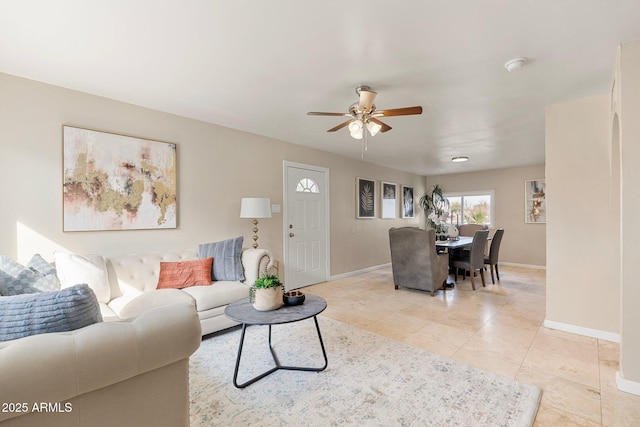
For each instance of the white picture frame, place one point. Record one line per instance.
(389, 200)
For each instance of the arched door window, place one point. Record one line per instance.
(307, 185)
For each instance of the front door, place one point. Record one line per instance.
(305, 225)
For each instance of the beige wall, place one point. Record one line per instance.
(582, 241)
(627, 109)
(217, 166)
(368, 238)
(522, 243)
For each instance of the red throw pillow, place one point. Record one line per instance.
(183, 274)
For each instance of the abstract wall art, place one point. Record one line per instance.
(117, 182)
(535, 201)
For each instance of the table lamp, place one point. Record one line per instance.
(255, 207)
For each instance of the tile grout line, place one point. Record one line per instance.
(480, 328)
(528, 351)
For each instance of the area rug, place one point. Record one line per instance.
(371, 380)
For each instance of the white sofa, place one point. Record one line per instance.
(133, 368)
(133, 280)
(129, 373)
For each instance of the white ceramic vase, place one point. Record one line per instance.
(267, 299)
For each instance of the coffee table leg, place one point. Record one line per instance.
(324, 354)
(275, 359)
(235, 372)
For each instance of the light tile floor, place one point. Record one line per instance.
(499, 329)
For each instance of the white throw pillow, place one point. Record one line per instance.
(74, 269)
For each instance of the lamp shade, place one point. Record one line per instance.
(374, 128)
(355, 129)
(355, 126)
(255, 207)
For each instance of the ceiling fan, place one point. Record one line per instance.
(363, 115)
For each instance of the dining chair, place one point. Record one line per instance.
(492, 258)
(475, 258)
(470, 229)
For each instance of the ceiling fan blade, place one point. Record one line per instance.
(385, 127)
(406, 111)
(366, 100)
(340, 126)
(315, 113)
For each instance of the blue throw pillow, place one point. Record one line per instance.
(16, 279)
(227, 264)
(56, 311)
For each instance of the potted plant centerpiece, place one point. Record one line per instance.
(266, 293)
(435, 206)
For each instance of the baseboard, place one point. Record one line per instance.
(513, 264)
(579, 330)
(627, 386)
(355, 273)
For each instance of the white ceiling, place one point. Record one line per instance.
(260, 66)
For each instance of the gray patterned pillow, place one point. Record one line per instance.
(16, 279)
(226, 259)
(57, 311)
(40, 265)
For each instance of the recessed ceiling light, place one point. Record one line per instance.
(458, 159)
(515, 64)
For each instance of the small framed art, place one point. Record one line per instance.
(408, 205)
(366, 198)
(535, 191)
(389, 200)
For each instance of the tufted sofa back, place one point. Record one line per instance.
(139, 273)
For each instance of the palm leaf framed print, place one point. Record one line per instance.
(366, 198)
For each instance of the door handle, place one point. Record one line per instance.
(291, 234)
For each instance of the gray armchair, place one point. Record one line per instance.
(414, 260)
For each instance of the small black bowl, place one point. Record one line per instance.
(293, 298)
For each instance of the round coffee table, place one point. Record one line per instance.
(242, 311)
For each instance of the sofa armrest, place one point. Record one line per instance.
(59, 366)
(255, 263)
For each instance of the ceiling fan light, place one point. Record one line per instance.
(357, 134)
(356, 126)
(374, 128)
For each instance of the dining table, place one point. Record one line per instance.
(461, 242)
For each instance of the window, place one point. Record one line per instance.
(307, 185)
(470, 208)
